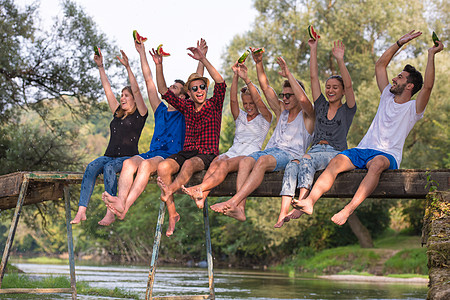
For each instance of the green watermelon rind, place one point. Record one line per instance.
(243, 56)
(96, 51)
(435, 38)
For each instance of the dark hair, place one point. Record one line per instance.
(286, 84)
(339, 78)
(246, 91)
(414, 77)
(186, 95)
(120, 113)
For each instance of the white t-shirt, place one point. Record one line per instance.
(391, 125)
(291, 137)
(249, 135)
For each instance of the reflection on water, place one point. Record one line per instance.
(228, 284)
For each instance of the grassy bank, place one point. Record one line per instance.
(393, 255)
(15, 280)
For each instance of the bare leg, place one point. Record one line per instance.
(146, 168)
(263, 164)
(375, 167)
(188, 169)
(245, 167)
(80, 216)
(339, 164)
(165, 170)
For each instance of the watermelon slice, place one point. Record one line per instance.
(312, 33)
(138, 38)
(161, 52)
(435, 39)
(96, 51)
(259, 50)
(243, 56)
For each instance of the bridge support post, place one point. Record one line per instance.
(156, 246)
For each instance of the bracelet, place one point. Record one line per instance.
(248, 82)
(399, 45)
(101, 66)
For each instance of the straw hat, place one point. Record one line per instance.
(193, 77)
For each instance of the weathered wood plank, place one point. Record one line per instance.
(393, 184)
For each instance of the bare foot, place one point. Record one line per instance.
(172, 222)
(235, 212)
(294, 214)
(220, 207)
(113, 201)
(108, 219)
(281, 222)
(164, 189)
(80, 216)
(120, 215)
(196, 194)
(341, 217)
(305, 205)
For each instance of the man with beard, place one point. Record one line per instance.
(381, 148)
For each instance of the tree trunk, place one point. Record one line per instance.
(361, 232)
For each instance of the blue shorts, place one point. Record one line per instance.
(155, 153)
(360, 157)
(282, 157)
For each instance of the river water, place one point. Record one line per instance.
(229, 284)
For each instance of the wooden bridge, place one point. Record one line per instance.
(25, 188)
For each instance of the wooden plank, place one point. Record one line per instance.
(187, 297)
(34, 291)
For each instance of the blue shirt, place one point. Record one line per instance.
(169, 132)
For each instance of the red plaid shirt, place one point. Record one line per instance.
(202, 127)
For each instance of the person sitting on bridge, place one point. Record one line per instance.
(252, 126)
(333, 120)
(201, 145)
(381, 147)
(125, 130)
(291, 137)
(168, 139)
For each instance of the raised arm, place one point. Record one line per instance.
(428, 82)
(112, 101)
(234, 104)
(256, 97)
(198, 55)
(151, 88)
(314, 69)
(338, 53)
(384, 60)
(160, 81)
(140, 104)
(307, 107)
(204, 49)
(269, 93)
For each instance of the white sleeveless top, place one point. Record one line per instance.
(249, 135)
(291, 137)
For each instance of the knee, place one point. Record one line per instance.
(262, 162)
(247, 162)
(378, 165)
(222, 165)
(128, 163)
(164, 168)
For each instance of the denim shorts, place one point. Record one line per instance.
(360, 157)
(282, 157)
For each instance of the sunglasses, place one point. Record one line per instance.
(288, 95)
(201, 86)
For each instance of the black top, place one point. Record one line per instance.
(125, 134)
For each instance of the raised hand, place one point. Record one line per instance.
(202, 46)
(338, 50)
(124, 59)
(284, 69)
(243, 71)
(235, 68)
(313, 43)
(197, 53)
(157, 59)
(436, 49)
(257, 57)
(139, 47)
(98, 58)
(408, 37)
